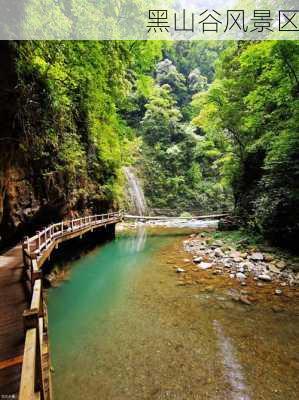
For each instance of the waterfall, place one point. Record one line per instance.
(136, 195)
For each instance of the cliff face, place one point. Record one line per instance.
(33, 190)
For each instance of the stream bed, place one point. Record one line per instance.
(121, 327)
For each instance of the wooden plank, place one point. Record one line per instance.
(163, 217)
(11, 362)
(36, 295)
(28, 368)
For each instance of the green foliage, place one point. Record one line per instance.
(253, 105)
(71, 93)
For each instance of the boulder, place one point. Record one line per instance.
(281, 264)
(205, 265)
(274, 269)
(256, 257)
(197, 260)
(265, 277)
(268, 257)
(235, 254)
(218, 253)
(240, 276)
(278, 292)
(180, 270)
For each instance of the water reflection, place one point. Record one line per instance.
(136, 243)
(232, 369)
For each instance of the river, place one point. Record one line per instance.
(121, 327)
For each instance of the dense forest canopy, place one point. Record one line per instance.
(208, 126)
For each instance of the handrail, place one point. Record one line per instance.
(32, 380)
(37, 243)
(32, 385)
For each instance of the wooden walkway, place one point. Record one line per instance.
(24, 350)
(13, 302)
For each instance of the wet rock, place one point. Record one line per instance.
(244, 299)
(205, 265)
(265, 277)
(240, 276)
(243, 283)
(197, 260)
(180, 270)
(278, 292)
(256, 257)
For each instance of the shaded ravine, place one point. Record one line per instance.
(121, 328)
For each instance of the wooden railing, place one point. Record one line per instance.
(35, 245)
(32, 384)
(33, 380)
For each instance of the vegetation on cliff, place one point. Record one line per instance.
(208, 125)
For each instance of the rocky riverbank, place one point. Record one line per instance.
(251, 274)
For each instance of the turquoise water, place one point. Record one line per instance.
(121, 328)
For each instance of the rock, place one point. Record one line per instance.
(197, 260)
(202, 234)
(240, 268)
(180, 270)
(205, 265)
(247, 265)
(235, 254)
(238, 259)
(218, 253)
(232, 276)
(240, 276)
(283, 284)
(257, 257)
(265, 277)
(243, 283)
(278, 292)
(281, 265)
(244, 255)
(186, 260)
(274, 269)
(268, 257)
(244, 299)
(259, 284)
(52, 370)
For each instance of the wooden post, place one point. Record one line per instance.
(27, 244)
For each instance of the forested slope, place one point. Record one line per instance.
(63, 138)
(207, 125)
